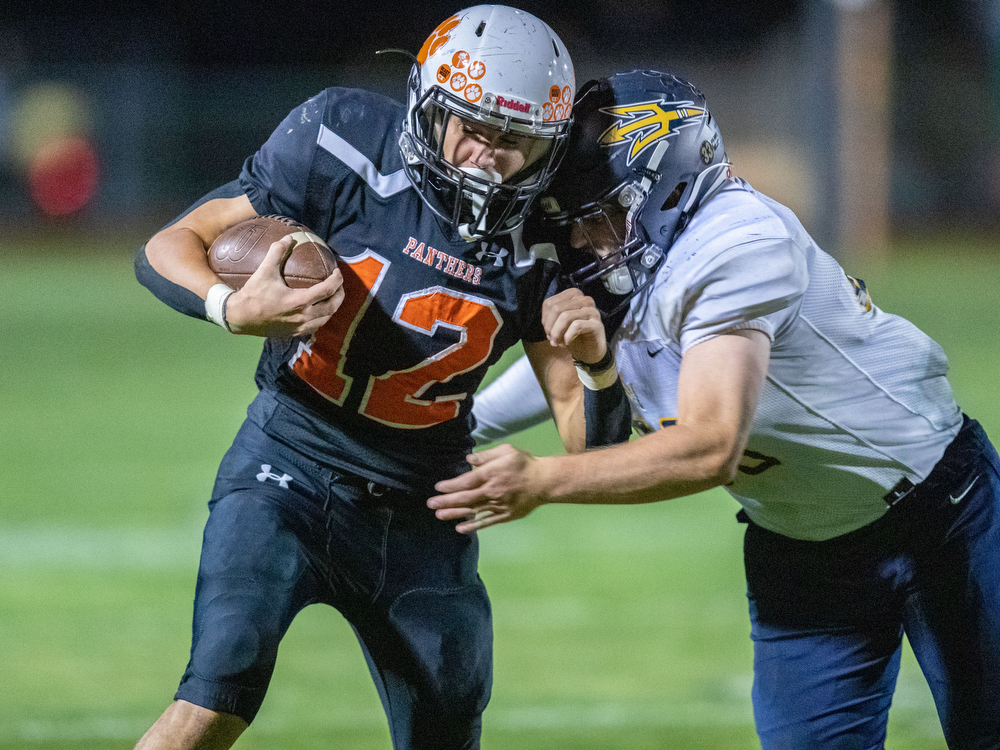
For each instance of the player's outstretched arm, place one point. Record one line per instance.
(555, 372)
(265, 306)
(501, 487)
(719, 384)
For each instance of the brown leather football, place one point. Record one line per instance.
(238, 251)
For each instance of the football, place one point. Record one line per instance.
(238, 251)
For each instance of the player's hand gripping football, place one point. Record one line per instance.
(571, 319)
(266, 306)
(502, 486)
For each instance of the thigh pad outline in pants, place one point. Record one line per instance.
(253, 579)
(256, 570)
(429, 637)
(431, 658)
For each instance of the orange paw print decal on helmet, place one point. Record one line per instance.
(438, 38)
(473, 92)
(463, 81)
(559, 105)
(477, 70)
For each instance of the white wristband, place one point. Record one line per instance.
(215, 304)
(600, 381)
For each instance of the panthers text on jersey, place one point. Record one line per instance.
(384, 389)
(856, 399)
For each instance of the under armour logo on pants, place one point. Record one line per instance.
(265, 474)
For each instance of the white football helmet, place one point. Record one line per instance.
(504, 68)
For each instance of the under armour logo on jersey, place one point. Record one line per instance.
(266, 473)
(497, 255)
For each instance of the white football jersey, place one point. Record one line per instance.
(855, 398)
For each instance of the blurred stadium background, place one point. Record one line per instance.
(876, 120)
(113, 112)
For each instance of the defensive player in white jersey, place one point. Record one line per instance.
(752, 361)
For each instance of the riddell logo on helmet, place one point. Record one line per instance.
(513, 104)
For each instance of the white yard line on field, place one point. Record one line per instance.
(77, 547)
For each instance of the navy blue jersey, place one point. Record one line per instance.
(385, 387)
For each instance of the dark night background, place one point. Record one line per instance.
(176, 95)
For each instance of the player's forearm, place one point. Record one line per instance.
(572, 427)
(180, 299)
(554, 369)
(179, 255)
(608, 415)
(667, 464)
(179, 252)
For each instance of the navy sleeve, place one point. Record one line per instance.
(608, 415)
(177, 297)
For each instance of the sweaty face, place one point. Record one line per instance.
(473, 145)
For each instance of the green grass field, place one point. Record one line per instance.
(615, 628)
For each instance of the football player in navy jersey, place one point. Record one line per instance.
(366, 379)
(751, 360)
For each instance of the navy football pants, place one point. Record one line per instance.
(828, 617)
(284, 532)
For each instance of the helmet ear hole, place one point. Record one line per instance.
(674, 198)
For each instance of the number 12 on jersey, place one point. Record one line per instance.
(394, 398)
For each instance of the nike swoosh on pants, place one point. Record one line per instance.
(957, 500)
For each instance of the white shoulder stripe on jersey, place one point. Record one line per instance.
(383, 184)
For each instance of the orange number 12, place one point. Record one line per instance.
(395, 397)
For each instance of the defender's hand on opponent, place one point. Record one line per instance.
(504, 485)
(266, 306)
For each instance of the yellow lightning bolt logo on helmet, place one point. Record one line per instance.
(646, 123)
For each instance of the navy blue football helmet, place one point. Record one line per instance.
(644, 154)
